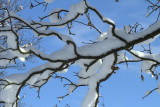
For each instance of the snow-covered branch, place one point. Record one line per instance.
(98, 60)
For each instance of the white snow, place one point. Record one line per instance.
(42, 32)
(92, 69)
(67, 52)
(63, 71)
(138, 53)
(75, 9)
(71, 88)
(21, 7)
(54, 18)
(15, 77)
(158, 90)
(4, 62)
(21, 59)
(148, 41)
(11, 39)
(88, 76)
(10, 13)
(142, 34)
(146, 65)
(107, 19)
(8, 94)
(121, 57)
(48, 1)
(155, 57)
(102, 36)
(127, 29)
(105, 69)
(100, 47)
(148, 92)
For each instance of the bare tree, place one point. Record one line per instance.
(98, 60)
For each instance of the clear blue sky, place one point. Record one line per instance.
(123, 89)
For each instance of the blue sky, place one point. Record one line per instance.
(123, 89)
